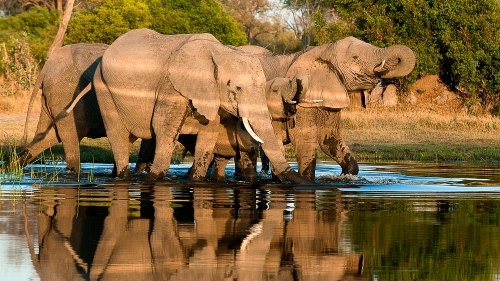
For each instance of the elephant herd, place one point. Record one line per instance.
(219, 101)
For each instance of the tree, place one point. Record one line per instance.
(63, 25)
(249, 14)
(301, 20)
(104, 23)
(262, 24)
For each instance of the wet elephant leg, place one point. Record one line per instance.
(332, 143)
(169, 114)
(220, 164)
(304, 139)
(204, 148)
(71, 143)
(246, 165)
(117, 133)
(146, 155)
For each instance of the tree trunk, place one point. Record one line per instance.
(63, 25)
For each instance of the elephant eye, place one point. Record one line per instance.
(238, 88)
(355, 57)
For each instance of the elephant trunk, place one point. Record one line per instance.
(273, 148)
(396, 61)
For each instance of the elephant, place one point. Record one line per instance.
(68, 70)
(234, 141)
(324, 76)
(147, 83)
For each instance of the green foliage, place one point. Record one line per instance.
(20, 67)
(460, 39)
(39, 23)
(106, 22)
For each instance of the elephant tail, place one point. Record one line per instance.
(68, 110)
(38, 86)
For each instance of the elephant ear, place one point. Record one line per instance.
(191, 72)
(318, 84)
(241, 80)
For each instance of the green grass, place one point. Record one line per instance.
(424, 153)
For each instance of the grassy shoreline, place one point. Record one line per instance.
(406, 132)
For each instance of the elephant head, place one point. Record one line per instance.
(326, 73)
(280, 94)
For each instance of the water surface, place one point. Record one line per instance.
(402, 221)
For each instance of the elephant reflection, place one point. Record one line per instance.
(217, 234)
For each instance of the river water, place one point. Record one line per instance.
(395, 221)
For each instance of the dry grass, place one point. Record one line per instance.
(406, 125)
(424, 128)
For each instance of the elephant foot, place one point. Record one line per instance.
(252, 177)
(125, 174)
(352, 167)
(152, 177)
(290, 175)
(141, 167)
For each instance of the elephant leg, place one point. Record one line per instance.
(332, 143)
(264, 160)
(204, 148)
(246, 165)
(170, 112)
(146, 155)
(220, 164)
(117, 133)
(71, 143)
(304, 140)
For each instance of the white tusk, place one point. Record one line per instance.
(290, 101)
(250, 130)
(312, 101)
(383, 63)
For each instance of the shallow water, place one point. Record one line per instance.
(402, 221)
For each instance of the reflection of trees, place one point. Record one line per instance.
(428, 240)
(168, 233)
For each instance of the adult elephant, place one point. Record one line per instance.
(147, 83)
(68, 71)
(325, 74)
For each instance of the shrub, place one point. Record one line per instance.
(21, 67)
(104, 23)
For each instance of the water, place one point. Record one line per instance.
(403, 221)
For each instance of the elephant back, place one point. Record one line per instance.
(134, 71)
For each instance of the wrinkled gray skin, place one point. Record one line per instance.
(325, 74)
(63, 76)
(233, 140)
(147, 83)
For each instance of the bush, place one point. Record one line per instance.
(103, 24)
(20, 67)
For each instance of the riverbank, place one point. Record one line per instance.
(432, 129)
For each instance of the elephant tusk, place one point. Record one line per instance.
(250, 130)
(380, 68)
(311, 101)
(290, 101)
